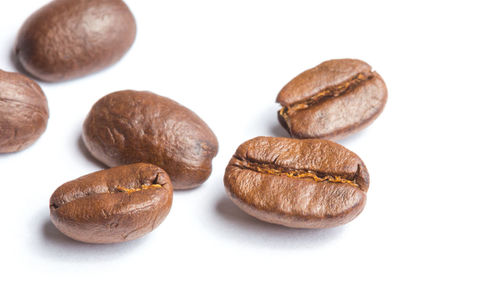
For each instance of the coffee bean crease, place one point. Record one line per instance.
(111, 190)
(327, 93)
(143, 187)
(272, 169)
(331, 101)
(308, 183)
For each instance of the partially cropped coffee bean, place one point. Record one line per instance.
(332, 100)
(114, 205)
(129, 127)
(297, 183)
(66, 39)
(23, 112)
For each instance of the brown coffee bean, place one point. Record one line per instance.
(332, 100)
(114, 205)
(129, 127)
(71, 38)
(297, 183)
(23, 112)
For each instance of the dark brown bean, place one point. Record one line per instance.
(114, 205)
(23, 112)
(71, 38)
(297, 183)
(332, 100)
(129, 127)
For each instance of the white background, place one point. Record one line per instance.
(433, 204)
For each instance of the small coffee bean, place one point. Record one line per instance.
(114, 205)
(309, 183)
(332, 100)
(23, 112)
(129, 127)
(66, 39)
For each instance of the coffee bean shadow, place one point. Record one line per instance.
(266, 122)
(278, 131)
(57, 246)
(248, 229)
(353, 138)
(188, 191)
(85, 152)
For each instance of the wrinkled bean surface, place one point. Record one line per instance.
(297, 183)
(129, 127)
(23, 112)
(66, 39)
(113, 205)
(332, 100)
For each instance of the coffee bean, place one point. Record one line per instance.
(71, 38)
(297, 183)
(129, 127)
(114, 205)
(332, 100)
(23, 112)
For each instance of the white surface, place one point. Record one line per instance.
(433, 204)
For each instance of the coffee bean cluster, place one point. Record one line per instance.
(154, 145)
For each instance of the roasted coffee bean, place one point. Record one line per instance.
(114, 205)
(23, 112)
(129, 127)
(332, 100)
(297, 183)
(71, 38)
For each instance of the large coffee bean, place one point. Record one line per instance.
(332, 100)
(297, 183)
(23, 112)
(129, 127)
(114, 205)
(71, 38)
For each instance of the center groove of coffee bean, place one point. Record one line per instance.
(143, 187)
(118, 189)
(327, 93)
(272, 169)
